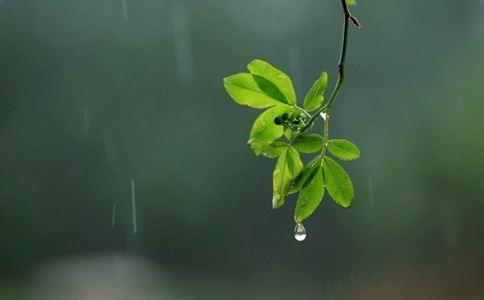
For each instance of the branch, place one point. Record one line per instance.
(341, 65)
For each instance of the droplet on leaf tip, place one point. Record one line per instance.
(300, 232)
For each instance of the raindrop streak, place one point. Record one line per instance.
(114, 215)
(133, 204)
(300, 232)
(125, 8)
(181, 42)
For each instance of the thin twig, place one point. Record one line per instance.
(325, 138)
(341, 66)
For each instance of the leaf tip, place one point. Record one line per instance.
(254, 62)
(276, 201)
(347, 205)
(225, 81)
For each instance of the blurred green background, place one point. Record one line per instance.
(94, 94)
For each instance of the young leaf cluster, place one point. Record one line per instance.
(281, 132)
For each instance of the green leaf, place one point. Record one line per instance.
(288, 133)
(343, 149)
(351, 2)
(310, 196)
(265, 131)
(308, 143)
(314, 98)
(300, 180)
(338, 183)
(295, 164)
(277, 77)
(288, 167)
(253, 91)
(274, 149)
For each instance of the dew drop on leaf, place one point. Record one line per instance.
(300, 232)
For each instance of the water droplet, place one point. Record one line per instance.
(300, 232)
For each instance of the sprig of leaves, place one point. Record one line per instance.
(268, 87)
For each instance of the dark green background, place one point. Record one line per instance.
(93, 95)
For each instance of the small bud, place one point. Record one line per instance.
(355, 21)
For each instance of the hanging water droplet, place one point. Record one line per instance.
(300, 232)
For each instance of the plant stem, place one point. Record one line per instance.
(302, 110)
(341, 68)
(325, 138)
